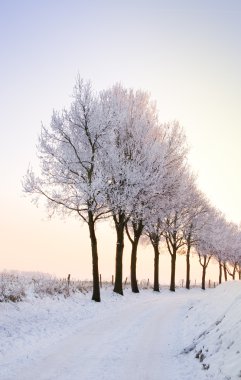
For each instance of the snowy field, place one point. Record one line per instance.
(184, 335)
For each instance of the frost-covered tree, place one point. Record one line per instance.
(226, 242)
(153, 229)
(208, 241)
(70, 176)
(238, 253)
(169, 195)
(175, 221)
(231, 249)
(154, 150)
(146, 209)
(220, 254)
(197, 208)
(130, 163)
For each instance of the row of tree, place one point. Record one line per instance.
(108, 156)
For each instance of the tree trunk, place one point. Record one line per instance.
(204, 272)
(203, 277)
(156, 287)
(220, 272)
(120, 226)
(95, 270)
(239, 274)
(234, 272)
(137, 228)
(188, 267)
(134, 286)
(173, 269)
(225, 272)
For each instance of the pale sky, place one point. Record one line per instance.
(187, 54)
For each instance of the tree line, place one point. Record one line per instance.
(109, 156)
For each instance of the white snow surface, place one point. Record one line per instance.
(146, 336)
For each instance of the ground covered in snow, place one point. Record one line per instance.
(184, 335)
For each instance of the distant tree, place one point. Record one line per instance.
(71, 176)
(232, 249)
(175, 221)
(197, 208)
(227, 242)
(221, 251)
(208, 241)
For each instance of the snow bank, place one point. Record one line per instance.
(213, 328)
(16, 286)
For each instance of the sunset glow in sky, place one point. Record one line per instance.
(186, 54)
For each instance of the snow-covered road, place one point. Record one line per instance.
(137, 342)
(135, 337)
